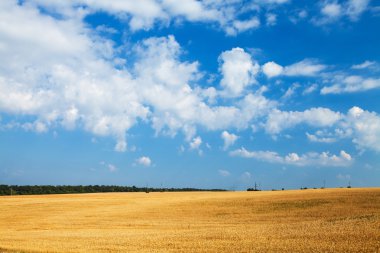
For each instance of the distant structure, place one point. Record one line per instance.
(324, 184)
(254, 189)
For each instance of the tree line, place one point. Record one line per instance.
(65, 189)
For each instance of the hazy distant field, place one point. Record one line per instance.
(329, 220)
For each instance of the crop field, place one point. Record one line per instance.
(322, 220)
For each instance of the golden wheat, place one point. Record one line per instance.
(328, 220)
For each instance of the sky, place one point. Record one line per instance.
(206, 94)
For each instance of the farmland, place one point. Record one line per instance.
(320, 220)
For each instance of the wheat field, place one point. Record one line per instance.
(322, 220)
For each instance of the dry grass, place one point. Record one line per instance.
(329, 220)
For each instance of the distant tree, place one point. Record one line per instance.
(65, 189)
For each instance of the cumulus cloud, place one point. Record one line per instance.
(309, 159)
(229, 139)
(45, 85)
(365, 127)
(151, 13)
(305, 67)
(176, 105)
(238, 71)
(42, 77)
(264, 2)
(317, 117)
(195, 143)
(364, 65)
(362, 126)
(192, 10)
(332, 11)
(352, 84)
(144, 161)
(320, 137)
(272, 69)
(239, 26)
(355, 8)
(226, 15)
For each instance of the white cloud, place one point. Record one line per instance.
(165, 85)
(195, 143)
(309, 159)
(302, 14)
(44, 82)
(355, 8)
(290, 91)
(271, 2)
(224, 173)
(310, 89)
(144, 161)
(272, 69)
(260, 155)
(177, 106)
(239, 26)
(305, 67)
(37, 126)
(298, 16)
(70, 117)
(121, 144)
(316, 117)
(111, 167)
(352, 84)
(365, 126)
(238, 71)
(42, 77)
(363, 65)
(192, 10)
(229, 139)
(271, 19)
(332, 10)
(318, 138)
(145, 15)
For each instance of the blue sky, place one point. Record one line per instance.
(207, 94)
